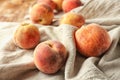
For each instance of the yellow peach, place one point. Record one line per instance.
(41, 14)
(50, 56)
(26, 36)
(73, 19)
(92, 40)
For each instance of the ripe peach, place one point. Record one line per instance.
(68, 5)
(92, 40)
(73, 19)
(59, 4)
(17, 2)
(26, 36)
(50, 56)
(48, 2)
(42, 14)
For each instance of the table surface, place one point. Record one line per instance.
(14, 10)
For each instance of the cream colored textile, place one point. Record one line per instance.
(17, 64)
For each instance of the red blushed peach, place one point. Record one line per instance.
(26, 36)
(59, 4)
(92, 40)
(68, 5)
(73, 19)
(50, 56)
(48, 2)
(42, 14)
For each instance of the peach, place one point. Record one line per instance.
(92, 40)
(59, 4)
(26, 36)
(41, 14)
(73, 19)
(50, 56)
(48, 2)
(17, 2)
(68, 5)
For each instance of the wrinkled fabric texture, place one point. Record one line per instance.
(17, 63)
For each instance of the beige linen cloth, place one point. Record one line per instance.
(17, 64)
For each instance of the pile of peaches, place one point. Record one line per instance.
(50, 56)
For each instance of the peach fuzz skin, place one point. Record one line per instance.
(50, 56)
(26, 36)
(73, 19)
(59, 4)
(41, 14)
(48, 2)
(92, 40)
(68, 5)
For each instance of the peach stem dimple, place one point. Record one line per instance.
(49, 44)
(40, 20)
